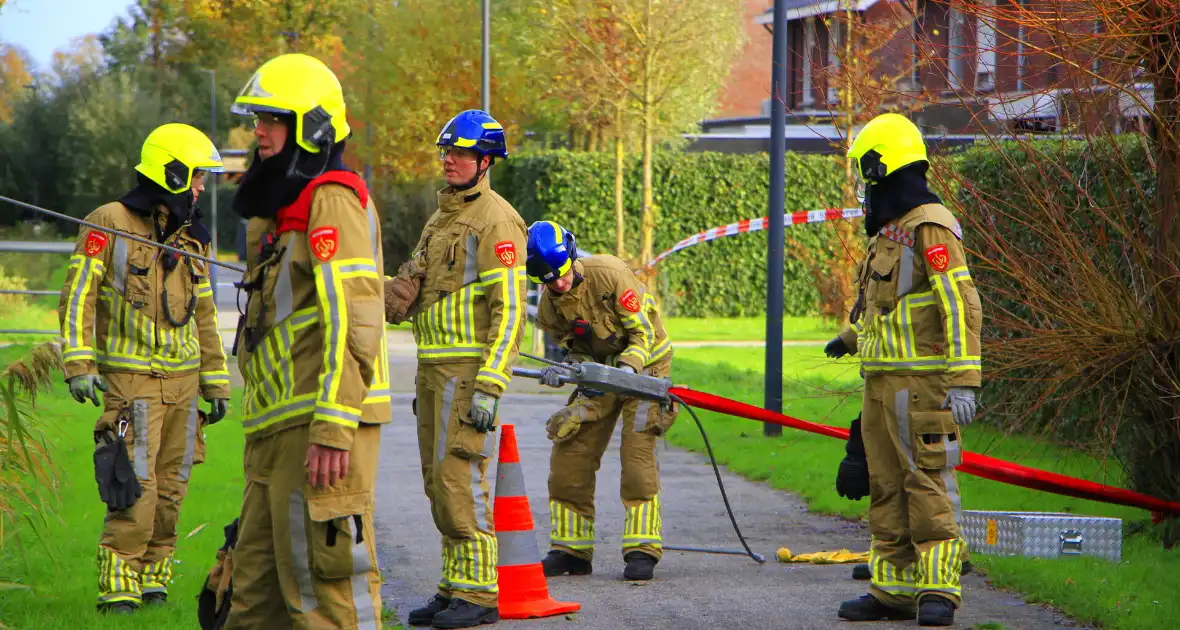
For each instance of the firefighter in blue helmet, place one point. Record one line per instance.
(464, 289)
(601, 313)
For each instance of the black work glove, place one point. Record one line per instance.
(117, 484)
(836, 348)
(852, 479)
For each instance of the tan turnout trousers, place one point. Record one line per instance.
(164, 441)
(315, 546)
(912, 447)
(573, 472)
(455, 460)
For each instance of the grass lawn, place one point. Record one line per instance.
(747, 329)
(57, 561)
(817, 389)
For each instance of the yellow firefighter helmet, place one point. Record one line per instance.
(304, 87)
(896, 142)
(173, 152)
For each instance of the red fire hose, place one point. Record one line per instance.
(973, 463)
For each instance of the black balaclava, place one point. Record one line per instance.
(272, 184)
(147, 194)
(895, 195)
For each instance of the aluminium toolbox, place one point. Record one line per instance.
(1042, 534)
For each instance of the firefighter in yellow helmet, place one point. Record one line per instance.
(468, 319)
(140, 324)
(915, 327)
(312, 351)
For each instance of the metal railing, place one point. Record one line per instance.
(32, 247)
(539, 345)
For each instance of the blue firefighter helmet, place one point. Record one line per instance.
(551, 252)
(476, 130)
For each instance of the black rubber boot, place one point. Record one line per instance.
(869, 608)
(559, 563)
(155, 599)
(966, 568)
(640, 566)
(935, 610)
(463, 614)
(118, 608)
(424, 615)
(861, 572)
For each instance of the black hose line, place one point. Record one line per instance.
(720, 484)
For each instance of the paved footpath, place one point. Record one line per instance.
(691, 590)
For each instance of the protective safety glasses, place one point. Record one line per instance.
(264, 119)
(457, 154)
(861, 187)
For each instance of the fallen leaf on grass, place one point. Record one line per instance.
(196, 530)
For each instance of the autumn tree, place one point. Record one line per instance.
(1079, 243)
(866, 68)
(15, 79)
(581, 42)
(670, 59)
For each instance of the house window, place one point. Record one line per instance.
(1095, 65)
(956, 49)
(915, 39)
(833, 59)
(808, 48)
(1021, 58)
(985, 48)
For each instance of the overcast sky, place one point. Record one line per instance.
(42, 26)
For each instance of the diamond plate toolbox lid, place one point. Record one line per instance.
(1042, 534)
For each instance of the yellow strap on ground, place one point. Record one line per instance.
(842, 556)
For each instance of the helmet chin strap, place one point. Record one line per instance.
(479, 172)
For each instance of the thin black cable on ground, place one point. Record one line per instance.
(720, 484)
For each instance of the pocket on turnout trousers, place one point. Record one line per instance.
(462, 438)
(936, 439)
(337, 533)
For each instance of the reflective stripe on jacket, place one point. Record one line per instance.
(472, 306)
(921, 310)
(623, 323)
(120, 304)
(317, 353)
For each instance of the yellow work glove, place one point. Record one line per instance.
(564, 424)
(842, 556)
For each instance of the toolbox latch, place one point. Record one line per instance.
(1071, 542)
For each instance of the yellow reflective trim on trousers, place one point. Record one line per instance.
(888, 578)
(117, 579)
(643, 524)
(473, 565)
(570, 529)
(942, 565)
(156, 576)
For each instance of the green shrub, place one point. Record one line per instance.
(693, 192)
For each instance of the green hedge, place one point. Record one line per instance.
(693, 192)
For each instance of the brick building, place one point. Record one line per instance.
(972, 75)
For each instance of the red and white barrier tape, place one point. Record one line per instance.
(973, 463)
(762, 223)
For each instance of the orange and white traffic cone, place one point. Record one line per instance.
(524, 593)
